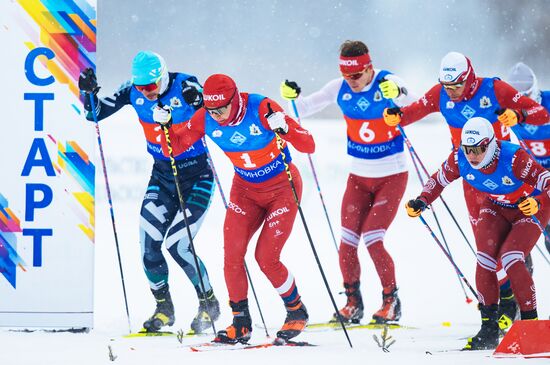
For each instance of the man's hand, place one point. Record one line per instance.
(276, 120)
(508, 117)
(415, 207)
(87, 81)
(163, 115)
(392, 116)
(528, 205)
(290, 90)
(389, 89)
(191, 95)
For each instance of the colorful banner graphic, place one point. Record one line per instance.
(47, 197)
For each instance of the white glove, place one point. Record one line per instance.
(163, 115)
(277, 122)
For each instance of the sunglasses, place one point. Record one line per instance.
(453, 86)
(355, 76)
(218, 111)
(147, 88)
(476, 150)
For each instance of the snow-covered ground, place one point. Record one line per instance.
(432, 298)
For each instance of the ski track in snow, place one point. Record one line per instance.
(429, 289)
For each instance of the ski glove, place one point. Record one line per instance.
(290, 90)
(389, 89)
(87, 81)
(163, 115)
(191, 95)
(415, 207)
(392, 116)
(528, 205)
(508, 117)
(276, 121)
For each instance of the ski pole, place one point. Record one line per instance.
(297, 200)
(110, 200)
(448, 257)
(413, 151)
(183, 208)
(211, 163)
(468, 299)
(415, 158)
(317, 183)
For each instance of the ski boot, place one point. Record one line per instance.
(529, 315)
(487, 337)
(209, 311)
(295, 322)
(164, 313)
(390, 310)
(507, 309)
(353, 310)
(241, 328)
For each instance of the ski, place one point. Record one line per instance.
(431, 352)
(352, 326)
(144, 333)
(216, 346)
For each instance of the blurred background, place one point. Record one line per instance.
(260, 42)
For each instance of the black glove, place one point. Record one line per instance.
(191, 95)
(87, 81)
(415, 207)
(394, 111)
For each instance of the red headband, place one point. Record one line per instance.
(355, 64)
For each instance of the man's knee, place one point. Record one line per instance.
(486, 261)
(510, 258)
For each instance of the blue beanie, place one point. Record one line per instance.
(147, 68)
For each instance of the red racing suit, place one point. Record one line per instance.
(378, 175)
(259, 197)
(487, 97)
(503, 232)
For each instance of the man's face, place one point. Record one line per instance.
(474, 155)
(358, 81)
(150, 91)
(454, 91)
(220, 115)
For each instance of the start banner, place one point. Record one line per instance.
(47, 184)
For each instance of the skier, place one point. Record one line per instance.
(459, 96)
(378, 175)
(514, 186)
(537, 138)
(161, 216)
(523, 79)
(244, 126)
